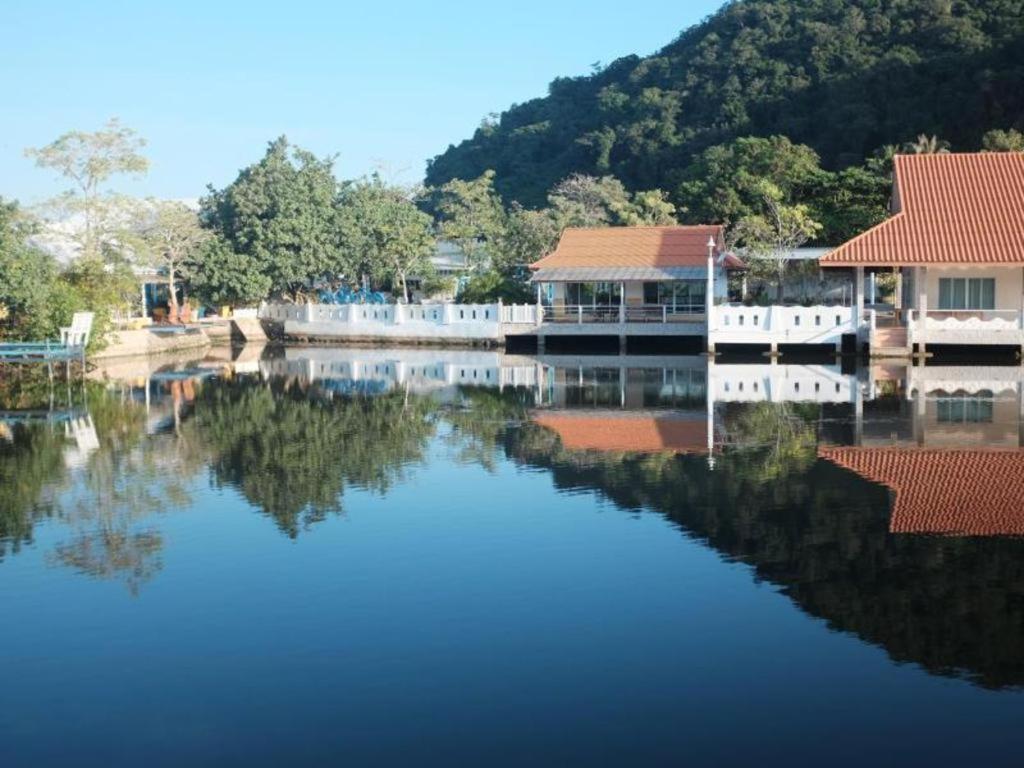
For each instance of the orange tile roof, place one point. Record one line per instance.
(626, 433)
(605, 247)
(945, 491)
(952, 209)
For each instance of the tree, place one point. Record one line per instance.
(470, 214)
(89, 160)
(529, 236)
(927, 145)
(220, 276)
(281, 213)
(28, 277)
(768, 239)
(1003, 141)
(394, 238)
(651, 208)
(588, 201)
(171, 237)
(726, 182)
(850, 202)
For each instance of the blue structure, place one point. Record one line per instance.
(345, 296)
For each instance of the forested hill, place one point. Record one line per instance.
(844, 78)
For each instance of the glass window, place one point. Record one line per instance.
(967, 293)
(965, 410)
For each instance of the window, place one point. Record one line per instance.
(965, 410)
(683, 296)
(593, 294)
(967, 293)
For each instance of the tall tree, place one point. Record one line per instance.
(220, 276)
(768, 239)
(394, 238)
(471, 214)
(281, 213)
(170, 237)
(88, 160)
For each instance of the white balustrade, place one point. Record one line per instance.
(783, 324)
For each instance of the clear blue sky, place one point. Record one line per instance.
(387, 83)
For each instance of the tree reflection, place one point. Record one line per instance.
(291, 453)
(31, 468)
(123, 480)
(955, 606)
(116, 554)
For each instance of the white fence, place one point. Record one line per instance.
(737, 324)
(484, 322)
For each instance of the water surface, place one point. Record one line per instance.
(387, 557)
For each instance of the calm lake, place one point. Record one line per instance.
(389, 557)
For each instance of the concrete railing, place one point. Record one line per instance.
(398, 321)
(737, 324)
(524, 314)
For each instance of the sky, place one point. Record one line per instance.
(383, 85)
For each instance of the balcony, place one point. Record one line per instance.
(619, 314)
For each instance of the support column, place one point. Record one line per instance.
(858, 412)
(1020, 316)
(920, 413)
(709, 299)
(858, 292)
(921, 287)
(1020, 414)
(709, 391)
(897, 299)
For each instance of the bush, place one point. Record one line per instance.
(490, 287)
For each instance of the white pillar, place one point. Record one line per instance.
(858, 291)
(710, 298)
(920, 284)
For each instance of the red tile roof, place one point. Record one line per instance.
(953, 209)
(635, 247)
(945, 491)
(626, 433)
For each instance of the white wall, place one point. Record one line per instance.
(1009, 283)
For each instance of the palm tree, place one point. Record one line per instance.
(927, 145)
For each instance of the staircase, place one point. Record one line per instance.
(889, 342)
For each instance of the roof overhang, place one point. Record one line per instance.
(616, 274)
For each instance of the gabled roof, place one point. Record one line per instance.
(626, 433)
(636, 247)
(944, 491)
(952, 209)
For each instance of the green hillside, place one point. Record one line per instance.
(844, 78)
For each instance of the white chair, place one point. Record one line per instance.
(77, 335)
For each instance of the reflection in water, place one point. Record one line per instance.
(824, 483)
